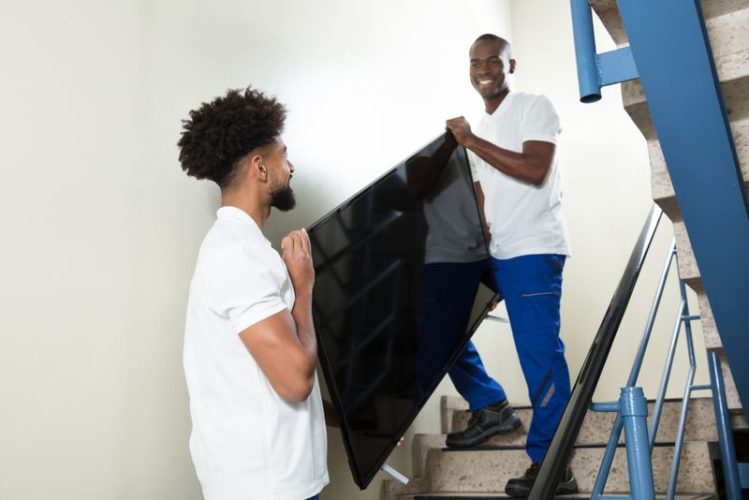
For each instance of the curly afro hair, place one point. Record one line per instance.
(220, 133)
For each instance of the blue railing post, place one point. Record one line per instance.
(596, 70)
(725, 431)
(585, 51)
(634, 411)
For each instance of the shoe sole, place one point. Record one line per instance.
(484, 436)
(569, 488)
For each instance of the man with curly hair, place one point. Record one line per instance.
(250, 350)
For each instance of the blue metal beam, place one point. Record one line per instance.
(596, 70)
(670, 46)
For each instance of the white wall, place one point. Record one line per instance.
(101, 227)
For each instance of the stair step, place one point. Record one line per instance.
(727, 24)
(597, 426)
(488, 470)
(501, 496)
(608, 12)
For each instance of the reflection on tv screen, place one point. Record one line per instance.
(402, 281)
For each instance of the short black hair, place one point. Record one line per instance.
(222, 132)
(504, 45)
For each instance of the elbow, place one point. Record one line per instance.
(538, 177)
(297, 391)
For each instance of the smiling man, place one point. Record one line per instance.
(249, 355)
(512, 153)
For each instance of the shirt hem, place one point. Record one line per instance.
(531, 251)
(243, 323)
(541, 137)
(296, 494)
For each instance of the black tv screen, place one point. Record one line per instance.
(402, 281)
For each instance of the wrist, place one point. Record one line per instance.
(470, 141)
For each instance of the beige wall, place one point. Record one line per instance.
(101, 227)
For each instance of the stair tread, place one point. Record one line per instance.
(596, 428)
(501, 495)
(487, 470)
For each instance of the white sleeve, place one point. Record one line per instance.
(243, 290)
(541, 121)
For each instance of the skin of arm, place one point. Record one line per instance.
(531, 165)
(284, 344)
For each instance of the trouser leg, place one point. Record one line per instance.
(447, 298)
(531, 287)
(470, 379)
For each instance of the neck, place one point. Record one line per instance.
(492, 104)
(252, 206)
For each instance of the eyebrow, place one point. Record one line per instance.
(489, 58)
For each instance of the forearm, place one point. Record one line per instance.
(521, 166)
(305, 329)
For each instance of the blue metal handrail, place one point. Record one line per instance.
(639, 460)
(678, 76)
(608, 457)
(560, 449)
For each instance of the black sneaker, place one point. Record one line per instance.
(521, 486)
(497, 418)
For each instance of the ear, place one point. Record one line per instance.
(512, 66)
(256, 167)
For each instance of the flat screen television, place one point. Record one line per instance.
(402, 282)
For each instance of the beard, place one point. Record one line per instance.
(283, 199)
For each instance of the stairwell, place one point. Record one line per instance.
(483, 471)
(728, 29)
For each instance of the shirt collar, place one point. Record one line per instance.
(502, 105)
(241, 217)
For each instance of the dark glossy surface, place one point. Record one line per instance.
(381, 359)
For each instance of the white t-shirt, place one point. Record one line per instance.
(246, 442)
(523, 219)
(455, 233)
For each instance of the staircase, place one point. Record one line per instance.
(483, 471)
(728, 30)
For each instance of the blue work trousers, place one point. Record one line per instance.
(531, 287)
(449, 290)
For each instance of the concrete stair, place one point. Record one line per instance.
(484, 470)
(597, 426)
(494, 496)
(727, 24)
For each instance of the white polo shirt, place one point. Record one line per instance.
(246, 442)
(523, 219)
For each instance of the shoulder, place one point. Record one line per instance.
(533, 101)
(226, 248)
